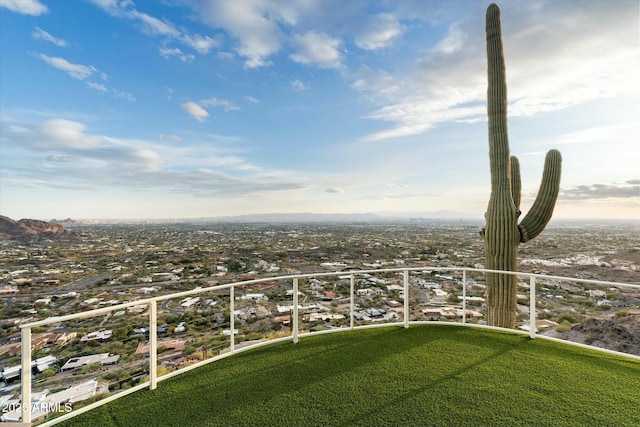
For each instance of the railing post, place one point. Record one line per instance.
(464, 296)
(153, 345)
(295, 311)
(406, 298)
(232, 318)
(352, 280)
(532, 306)
(26, 375)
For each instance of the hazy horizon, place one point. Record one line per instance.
(303, 217)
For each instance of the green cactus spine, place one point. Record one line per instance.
(502, 234)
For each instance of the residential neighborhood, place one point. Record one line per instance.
(97, 266)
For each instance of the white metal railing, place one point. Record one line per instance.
(153, 313)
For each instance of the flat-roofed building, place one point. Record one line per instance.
(101, 335)
(101, 358)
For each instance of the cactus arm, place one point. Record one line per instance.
(516, 184)
(540, 213)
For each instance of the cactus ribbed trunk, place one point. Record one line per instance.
(502, 234)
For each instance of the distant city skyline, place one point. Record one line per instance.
(194, 108)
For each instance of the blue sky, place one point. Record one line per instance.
(196, 108)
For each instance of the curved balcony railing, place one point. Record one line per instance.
(403, 310)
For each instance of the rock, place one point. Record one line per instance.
(613, 334)
(27, 229)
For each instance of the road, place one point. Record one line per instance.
(165, 306)
(423, 295)
(9, 302)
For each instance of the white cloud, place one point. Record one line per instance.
(317, 49)
(69, 141)
(252, 100)
(453, 42)
(257, 33)
(556, 57)
(123, 95)
(77, 71)
(25, 7)
(398, 132)
(379, 32)
(119, 94)
(167, 52)
(97, 86)
(111, 6)
(196, 111)
(115, 92)
(224, 55)
(628, 189)
(599, 133)
(417, 103)
(60, 134)
(153, 26)
(298, 85)
(76, 159)
(201, 44)
(40, 34)
(226, 105)
(159, 28)
(145, 156)
(334, 190)
(61, 158)
(554, 62)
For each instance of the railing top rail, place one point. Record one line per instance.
(98, 311)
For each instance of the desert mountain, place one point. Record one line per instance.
(27, 229)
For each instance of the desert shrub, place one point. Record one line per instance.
(47, 373)
(564, 326)
(622, 313)
(251, 336)
(567, 317)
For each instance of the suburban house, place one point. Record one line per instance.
(283, 320)
(101, 358)
(188, 302)
(168, 344)
(13, 373)
(61, 339)
(329, 295)
(375, 313)
(254, 297)
(433, 313)
(8, 289)
(44, 402)
(43, 363)
(256, 312)
(101, 335)
(324, 317)
(397, 288)
(139, 309)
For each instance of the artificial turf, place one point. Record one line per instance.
(426, 375)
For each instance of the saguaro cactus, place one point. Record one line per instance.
(502, 234)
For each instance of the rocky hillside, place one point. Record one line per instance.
(27, 229)
(614, 333)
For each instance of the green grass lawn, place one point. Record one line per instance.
(426, 375)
